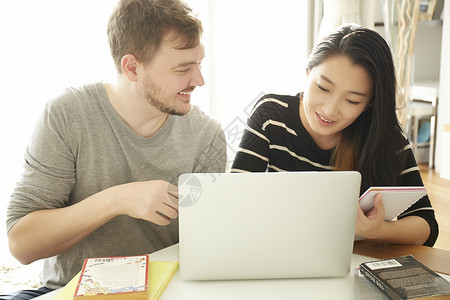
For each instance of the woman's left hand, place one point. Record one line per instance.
(370, 225)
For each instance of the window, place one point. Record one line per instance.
(252, 47)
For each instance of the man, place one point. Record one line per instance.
(102, 166)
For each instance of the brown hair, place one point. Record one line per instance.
(138, 26)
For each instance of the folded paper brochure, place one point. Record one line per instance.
(160, 273)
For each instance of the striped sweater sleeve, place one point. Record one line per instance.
(276, 141)
(410, 176)
(253, 153)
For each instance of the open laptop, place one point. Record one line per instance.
(267, 225)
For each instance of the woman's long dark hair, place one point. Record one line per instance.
(372, 143)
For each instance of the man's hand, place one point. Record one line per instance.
(155, 201)
(48, 232)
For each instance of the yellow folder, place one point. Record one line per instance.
(160, 273)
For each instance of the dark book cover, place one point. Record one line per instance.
(405, 278)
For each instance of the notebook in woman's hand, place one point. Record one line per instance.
(396, 199)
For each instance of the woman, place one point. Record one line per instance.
(344, 120)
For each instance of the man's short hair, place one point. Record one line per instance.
(138, 27)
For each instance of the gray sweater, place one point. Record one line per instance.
(81, 146)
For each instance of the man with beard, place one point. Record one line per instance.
(102, 166)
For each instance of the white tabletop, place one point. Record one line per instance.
(328, 288)
(345, 288)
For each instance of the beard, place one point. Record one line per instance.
(152, 94)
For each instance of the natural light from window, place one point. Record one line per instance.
(252, 47)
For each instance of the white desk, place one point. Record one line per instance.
(330, 288)
(326, 288)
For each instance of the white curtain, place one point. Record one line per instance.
(338, 12)
(255, 47)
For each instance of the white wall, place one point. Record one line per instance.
(427, 50)
(257, 46)
(444, 89)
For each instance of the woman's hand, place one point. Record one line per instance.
(370, 225)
